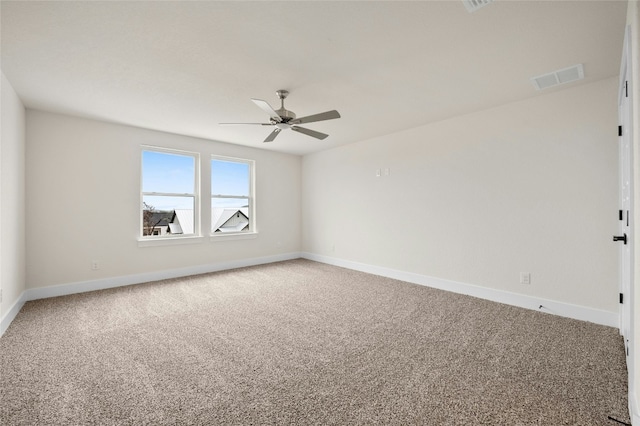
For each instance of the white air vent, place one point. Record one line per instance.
(473, 5)
(556, 78)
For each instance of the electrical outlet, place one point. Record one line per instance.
(95, 265)
(387, 171)
(525, 278)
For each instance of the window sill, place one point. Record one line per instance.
(169, 241)
(231, 237)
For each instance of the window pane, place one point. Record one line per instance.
(162, 215)
(230, 214)
(230, 178)
(168, 173)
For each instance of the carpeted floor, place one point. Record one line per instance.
(297, 343)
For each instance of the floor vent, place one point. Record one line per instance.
(473, 5)
(556, 78)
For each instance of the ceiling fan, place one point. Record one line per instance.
(283, 119)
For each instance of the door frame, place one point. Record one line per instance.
(626, 154)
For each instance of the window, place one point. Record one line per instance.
(232, 202)
(169, 193)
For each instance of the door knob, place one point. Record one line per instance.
(620, 238)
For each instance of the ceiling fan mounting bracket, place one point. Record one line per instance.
(282, 94)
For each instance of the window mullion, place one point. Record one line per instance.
(230, 196)
(168, 194)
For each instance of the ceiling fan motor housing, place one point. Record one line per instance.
(285, 115)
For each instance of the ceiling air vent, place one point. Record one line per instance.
(473, 5)
(556, 78)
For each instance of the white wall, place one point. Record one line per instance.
(525, 187)
(12, 198)
(83, 197)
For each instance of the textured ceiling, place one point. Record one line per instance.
(184, 67)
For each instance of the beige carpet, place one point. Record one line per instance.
(298, 343)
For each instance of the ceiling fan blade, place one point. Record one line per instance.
(329, 115)
(272, 135)
(309, 132)
(256, 124)
(264, 105)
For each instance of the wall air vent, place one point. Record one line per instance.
(556, 78)
(473, 5)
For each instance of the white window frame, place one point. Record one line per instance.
(253, 230)
(156, 240)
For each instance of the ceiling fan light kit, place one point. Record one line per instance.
(283, 119)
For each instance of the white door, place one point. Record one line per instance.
(625, 216)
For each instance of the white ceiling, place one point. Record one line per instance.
(184, 67)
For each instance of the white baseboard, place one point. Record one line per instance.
(10, 315)
(105, 283)
(567, 310)
(610, 319)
